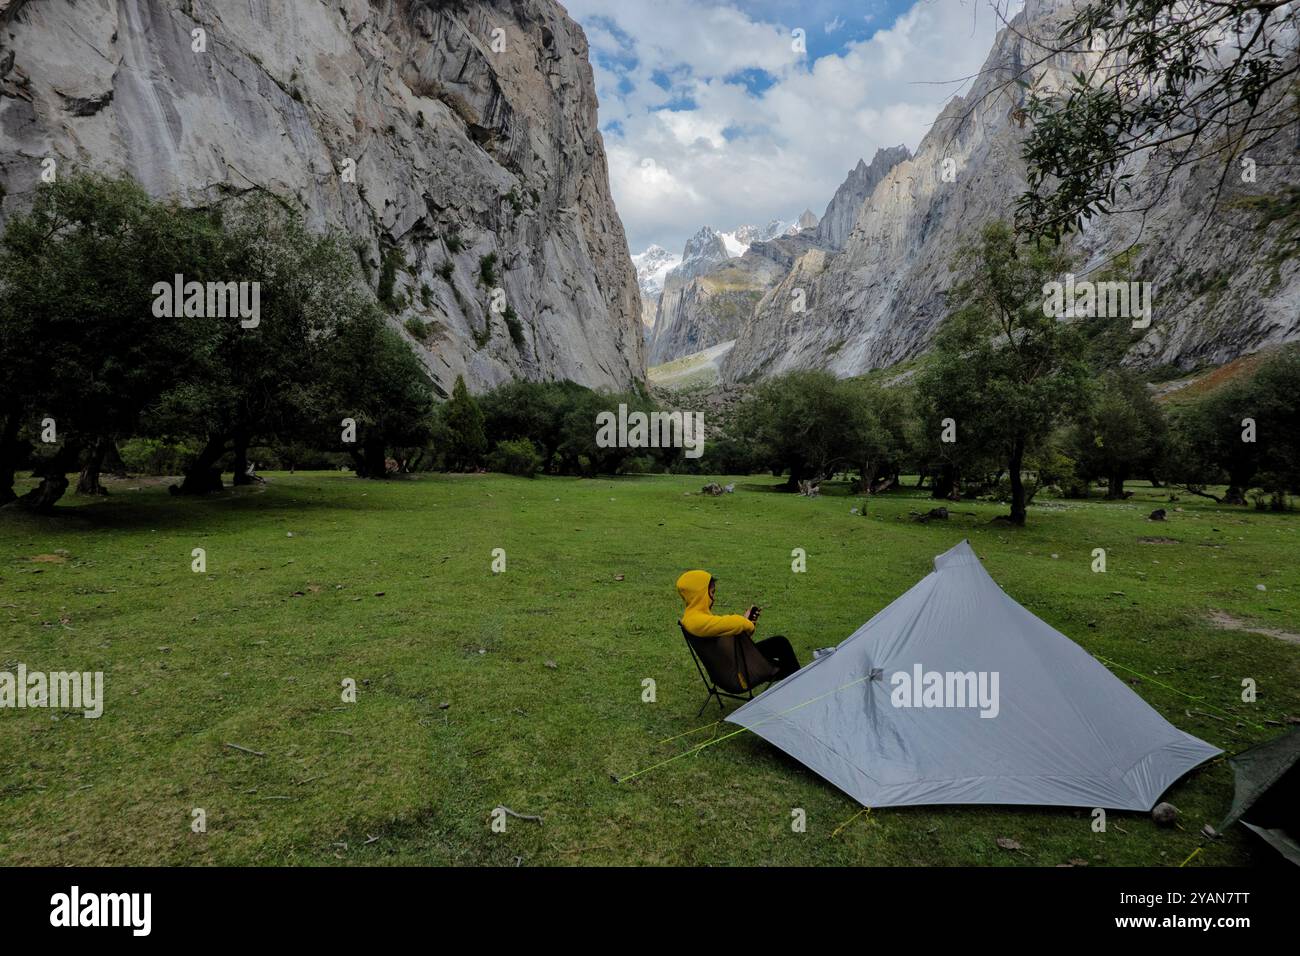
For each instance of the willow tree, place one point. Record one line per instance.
(1003, 371)
(85, 356)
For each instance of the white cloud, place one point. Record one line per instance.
(832, 25)
(709, 151)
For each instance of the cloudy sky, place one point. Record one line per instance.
(711, 116)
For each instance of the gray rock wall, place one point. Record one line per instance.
(466, 142)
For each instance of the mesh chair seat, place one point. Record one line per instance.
(729, 666)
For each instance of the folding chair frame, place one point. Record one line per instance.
(714, 690)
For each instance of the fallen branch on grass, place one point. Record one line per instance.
(520, 816)
(255, 753)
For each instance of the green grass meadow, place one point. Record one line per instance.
(317, 577)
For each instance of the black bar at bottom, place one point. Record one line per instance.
(213, 905)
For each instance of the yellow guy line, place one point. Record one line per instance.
(717, 740)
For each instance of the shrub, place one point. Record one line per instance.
(417, 328)
(515, 326)
(391, 262)
(151, 456)
(516, 457)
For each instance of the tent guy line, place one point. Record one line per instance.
(836, 831)
(717, 740)
(1199, 700)
(687, 733)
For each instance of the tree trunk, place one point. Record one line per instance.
(88, 481)
(1018, 511)
(42, 498)
(945, 484)
(54, 480)
(868, 474)
(9, 452)
(1201, 492)
(942, 483)
(369, 461)
(1114, 486)
(202, 476)
(239, 473)
(1239, 481)
(796, 476)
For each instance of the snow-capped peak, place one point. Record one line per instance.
(742, 237)
(653, 266)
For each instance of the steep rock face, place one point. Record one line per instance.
(1222, 285)
(695, 314)
(706, 309)
(704, 251)
(712, 294)
(842, 211)
(471, 127)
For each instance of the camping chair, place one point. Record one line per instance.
(729, 666)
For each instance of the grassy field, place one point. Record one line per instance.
(524, 688)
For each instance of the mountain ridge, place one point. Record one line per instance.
(1223, 286)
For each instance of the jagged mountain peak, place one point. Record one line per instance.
(705, 244)
(652, 267)
(842, 212)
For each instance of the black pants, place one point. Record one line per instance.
(780, 655)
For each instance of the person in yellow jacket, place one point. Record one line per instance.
(698, 590)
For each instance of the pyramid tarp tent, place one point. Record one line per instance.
(955, 693)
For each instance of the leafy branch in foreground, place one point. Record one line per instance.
(1192, 80)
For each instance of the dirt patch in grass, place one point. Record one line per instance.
(1158, 541)
(1226, 621)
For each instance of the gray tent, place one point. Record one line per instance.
(955, 693)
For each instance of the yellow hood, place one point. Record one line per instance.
(698, 618)
(693, 586)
